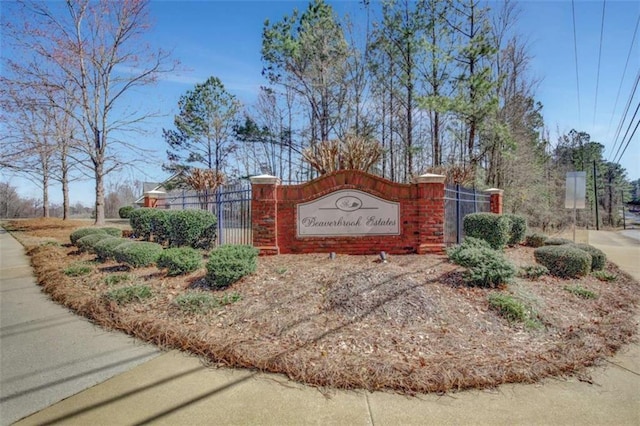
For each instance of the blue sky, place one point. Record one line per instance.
(223, 39)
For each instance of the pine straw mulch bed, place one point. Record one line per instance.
(409, 325)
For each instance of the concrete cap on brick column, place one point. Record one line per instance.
(264, 180)
(430, 178)
(154, 193)
(492, 191)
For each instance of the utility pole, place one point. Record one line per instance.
(595, 195)
(624, 219)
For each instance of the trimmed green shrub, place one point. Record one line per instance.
(227, 264)
(533, 272)
(486, 267)
(125, 211)
(134, 293)
(138, 253)
(83, 232)
(518, 229)
(535, 240)
(112, 231)
(180, 260)
(564, 261)
(493, 228)
(555, 241)
(88, 242)
(598, 258)
(105, 249)
(194, 228)
(200, 303)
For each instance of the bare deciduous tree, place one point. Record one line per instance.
(93, 52)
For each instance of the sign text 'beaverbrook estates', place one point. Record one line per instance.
(348, 213)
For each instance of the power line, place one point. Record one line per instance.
(624, 72)
(595, 102)
(575, 51)
(626, 133)
(631, 137)
(624, 117)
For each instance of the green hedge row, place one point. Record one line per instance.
(498, 230)
(176, 228)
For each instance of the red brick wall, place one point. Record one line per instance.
(274, 215)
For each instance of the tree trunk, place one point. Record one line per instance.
(437, 153)
(45, 193)
(65, 191)
(99, 195)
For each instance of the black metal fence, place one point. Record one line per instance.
(231, 204)
(459, 202)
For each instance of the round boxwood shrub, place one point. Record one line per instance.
(564, 261)
(229, 263)
(535, 240)
(518, 229)
(194, 228)
(598, 258)
(125, 211)
(493, 228)
(105, 249)
(83, 232)
(138, 253)
(88, 242)
(556, 241)
(180, 260)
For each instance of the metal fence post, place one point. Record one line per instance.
(458, 224)
(475, 201)
(218, 205)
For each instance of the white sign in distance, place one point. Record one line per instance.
(576, 190)
(348, 213)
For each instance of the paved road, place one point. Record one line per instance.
(46, 352)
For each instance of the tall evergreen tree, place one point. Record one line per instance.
(203, 134)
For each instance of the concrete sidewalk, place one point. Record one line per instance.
(46, 352)
(177, 389)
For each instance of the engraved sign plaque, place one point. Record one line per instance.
(348, 213)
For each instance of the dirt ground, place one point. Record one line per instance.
(410, 325)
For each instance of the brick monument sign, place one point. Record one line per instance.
(350, 212)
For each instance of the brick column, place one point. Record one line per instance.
(430, 203)
(151, 198)
(264, 213)
(495, 199)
